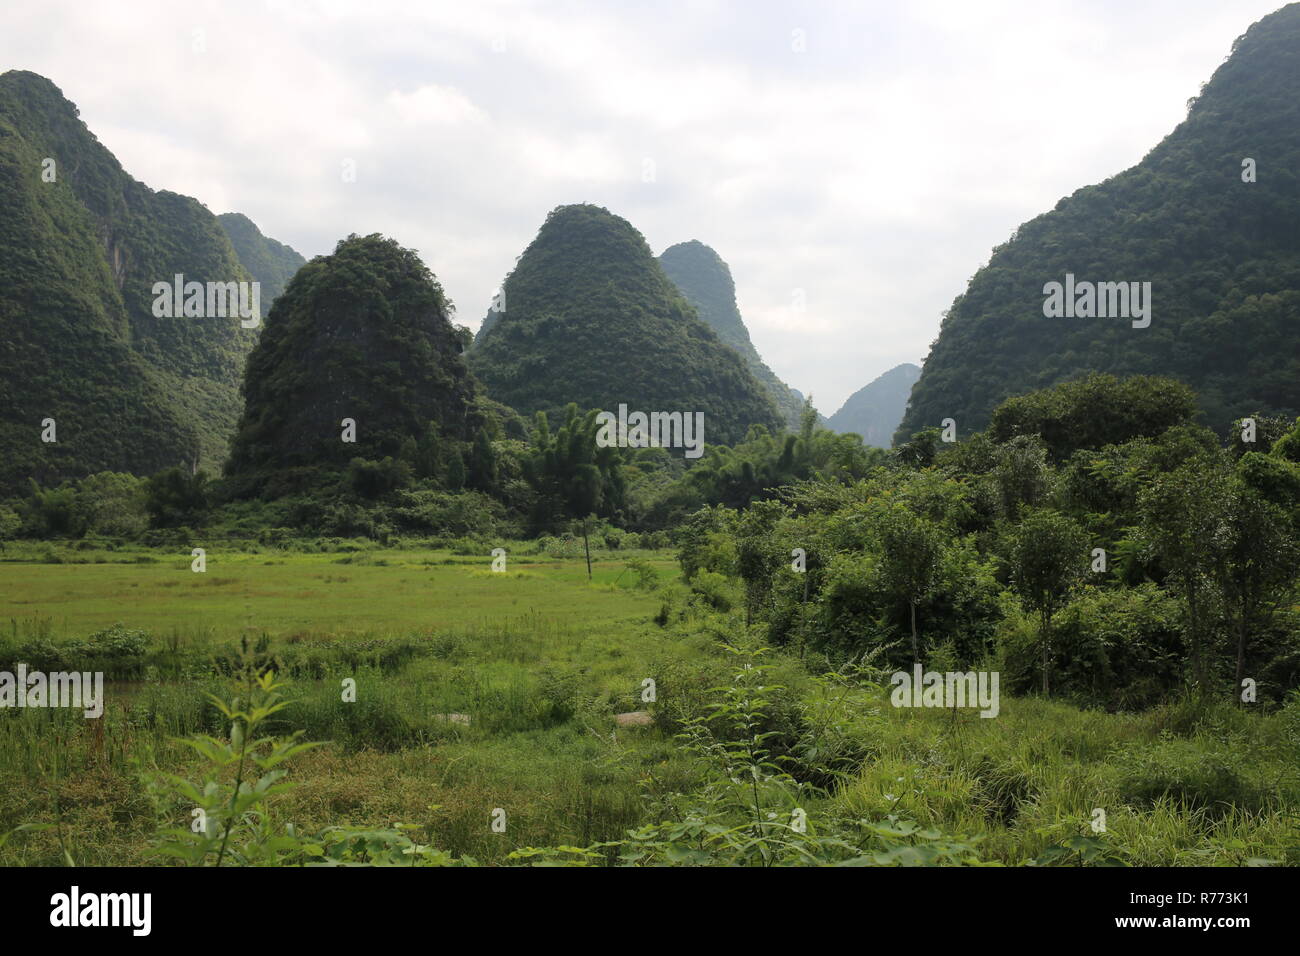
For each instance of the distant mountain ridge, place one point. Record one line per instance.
(705, 280)
(875, 410)
(271, 263)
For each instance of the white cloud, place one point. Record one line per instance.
(435, 105)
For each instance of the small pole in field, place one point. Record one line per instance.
(586, 546)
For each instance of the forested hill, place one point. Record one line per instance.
(362, 335)
(269, 262)
(81, 245)
(705, 280)
(590, 317)
(1222, 256)
(875, 410)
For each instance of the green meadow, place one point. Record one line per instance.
(366, 591)
(535, 663)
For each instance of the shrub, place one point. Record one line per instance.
(707, 540)
(1190, 775)
(118, 651)
(714, 590)
(647, 578)
(1118, 648)
(374, 479)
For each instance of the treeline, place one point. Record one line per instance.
(511, 478)
(1093, 543)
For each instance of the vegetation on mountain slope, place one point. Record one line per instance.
(269, 262)
(1222, 256)
(705, 281)
(358, 361)
(81, 246)
(589, 317)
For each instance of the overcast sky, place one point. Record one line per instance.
(868, 154)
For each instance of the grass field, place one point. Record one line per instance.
(541, 660)
(282, 593)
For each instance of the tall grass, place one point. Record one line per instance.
(535, 665)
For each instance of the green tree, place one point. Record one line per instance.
(10, 523)
(573, 476)
(1288, 445)
(1094, 411)
(111, 503)
(920, 451)
(757, 553)
(1047, 554)
(1182, 517)
(911, 550)
(1256, 561)
(1022, 474)
(482, 462)
(456, 471)
(176, 497)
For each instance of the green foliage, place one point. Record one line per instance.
(375, 479)
(1047, 556)
(1220, 254)
(764, 462)
(269, 262)
(1288, 446)
(174, 497)
(870, 597)
(1215, 782)
(1116, 648)
(364, 335)
(704, 281)
(647, 578)
(942, 550)
(713, 589)
(442, 512)
(1181, 521)
(571, 476)
(705, 542)
(230, 822)
(1021, 475)
(591, 318)
(119, 652)
(111, 504)
(129, 391)
(10, 523)
(1094, 411)
(909, 565)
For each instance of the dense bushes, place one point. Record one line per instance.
(118, 651)
(1113, 575)
(1118, 648)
